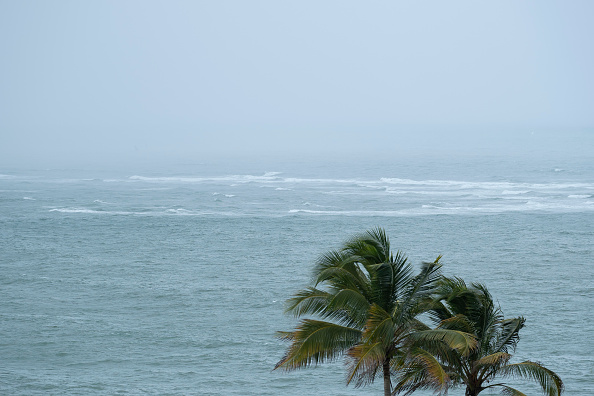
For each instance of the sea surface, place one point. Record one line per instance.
(171, 279)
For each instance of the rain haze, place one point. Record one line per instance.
(172, 171)
(139, 80)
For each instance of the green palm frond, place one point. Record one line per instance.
(332, 258)
(379, 326)
(495, 359)
(550, 382)
(317, 341)
(381, 283)
(352, 304)
(340, 277)
(376, 241)
(422, 373)
(458, 322)
(460, 341)
(403, 274)
(365, 362)
(420, 288)
(510, 334)
(507, 390)
(308, 301)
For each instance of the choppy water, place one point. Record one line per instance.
(172, 280)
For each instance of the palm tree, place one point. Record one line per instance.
(367, 301)
(471, 309)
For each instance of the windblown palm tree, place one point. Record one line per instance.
(471, 309)
(367, 301)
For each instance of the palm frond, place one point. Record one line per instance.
(403, 274)
(366, 360)
(341, 278)
(351, 304)
(509, 336)
(458, 322)
(494, 359)
(421, 287)
(379, 326)
(317, 341)
(462, 342)
(550, 382)
(308, 301)
(507, 390)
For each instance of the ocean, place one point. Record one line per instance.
(171, 279)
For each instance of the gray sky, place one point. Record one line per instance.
(113, 79)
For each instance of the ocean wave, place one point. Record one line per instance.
(390, 185)
(348, 212)
(453, 209)
(579, 196)
(166, 212)
(510, 192)
(455, 193)
(266, 177)
(91, 211)
(503, 186)
(180, 211)
(29, 199)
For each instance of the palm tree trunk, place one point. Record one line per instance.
(387, 381)
(472, 392)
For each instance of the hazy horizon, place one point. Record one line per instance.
(93, 82)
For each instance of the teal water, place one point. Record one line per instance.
(171, 279)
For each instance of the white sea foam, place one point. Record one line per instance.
(90, 211)
(578, 196)
(229, 195)
(283, 189)
(29, 198)
(180, 211)
(348, 212)
(267, 177)
(100, 201)
(510, 192)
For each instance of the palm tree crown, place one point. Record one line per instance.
(471, 309)
(367, 301)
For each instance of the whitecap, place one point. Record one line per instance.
(283, 189)
(179, 211)
(229, 195)
(89, 211)
(267, 177)
(348, 212)
(29, 198)
(578, 196)
(510, 192)
(100, 201)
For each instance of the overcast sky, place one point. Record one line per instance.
(108, 79)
